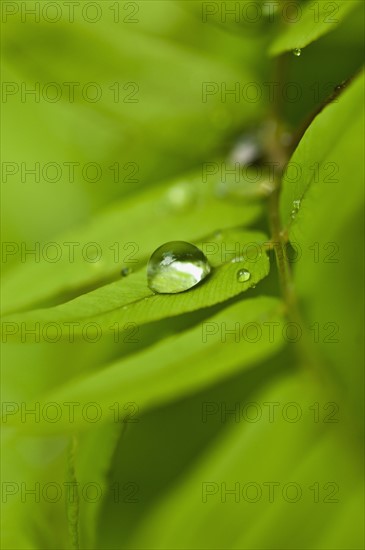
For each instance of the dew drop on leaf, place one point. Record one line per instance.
(243, 276)
(297, 52)
(175, 267)
(180, 197)
(125, 271)
(296, 206)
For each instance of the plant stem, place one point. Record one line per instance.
(280, 155)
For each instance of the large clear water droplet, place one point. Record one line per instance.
(175, 267)
(243, 276)
(297, 52)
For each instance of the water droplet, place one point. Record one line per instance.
(237, 259)
(181, 196)
(297, 52)
(125, 271)
(296, 206)
(176, 266)
(243, 276)
(340, 86)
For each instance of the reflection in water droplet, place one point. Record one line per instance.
(176, 266)
(243, 275)
(297, 52)
(125, 271)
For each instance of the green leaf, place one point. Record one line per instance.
(314, 19)
(130, 301)
(204, 416)
(32, 464)
(177, 366)
(224, 497)
(123, 235)
(327, 230)
(93, 454)
(153, 135)
(323, 163)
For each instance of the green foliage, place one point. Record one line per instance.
(160, 403)
(315, 20)
(187, 218)
(130, 300)
(321, 271)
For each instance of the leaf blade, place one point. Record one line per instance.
(131, 301)
(169, 369)
(316, 20)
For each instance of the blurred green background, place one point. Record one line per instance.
(118, 133)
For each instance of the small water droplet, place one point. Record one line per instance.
(340, 86)
(237, 259)
(126, 271)
(181, 196)
(296, 206)
(175, 267)
(243, 276)
(297, 52)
